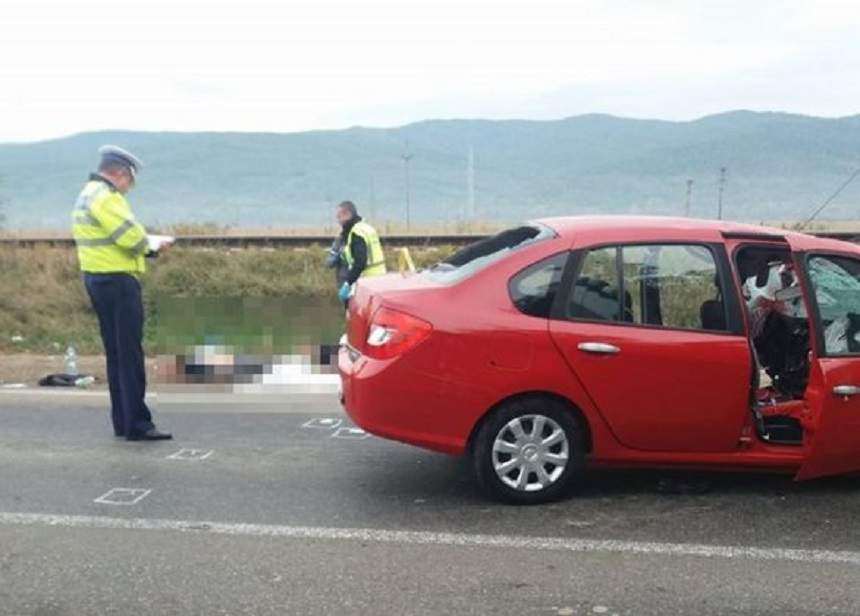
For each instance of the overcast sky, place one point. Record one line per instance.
(73, 66)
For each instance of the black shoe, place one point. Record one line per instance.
(153, 434)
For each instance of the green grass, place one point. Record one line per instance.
(260, 298)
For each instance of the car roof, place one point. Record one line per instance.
(633, 228)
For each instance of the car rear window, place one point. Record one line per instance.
(475, 257)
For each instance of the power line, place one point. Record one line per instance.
(831, 198)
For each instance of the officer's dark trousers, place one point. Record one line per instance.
(117, 301)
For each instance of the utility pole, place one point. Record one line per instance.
(407, 156)
(372, 199)
(470, 185)
(720, 194)
(687, 205)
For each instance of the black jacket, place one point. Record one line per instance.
(358, 250)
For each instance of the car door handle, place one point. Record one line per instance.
(846, 390)
(600, 348)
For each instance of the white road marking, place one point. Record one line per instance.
(122, 496)
(191, 454)
(323, 423)
(350, 433)
(403, 537)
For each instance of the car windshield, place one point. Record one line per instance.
(475, 257)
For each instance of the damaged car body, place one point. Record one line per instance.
(618, 341)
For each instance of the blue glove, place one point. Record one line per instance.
(343, 293)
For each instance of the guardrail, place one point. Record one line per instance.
(303, 241)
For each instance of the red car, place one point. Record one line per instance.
(624, 341)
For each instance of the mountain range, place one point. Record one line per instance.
(778, 166)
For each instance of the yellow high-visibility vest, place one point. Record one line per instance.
(108, 238)
(375, 255)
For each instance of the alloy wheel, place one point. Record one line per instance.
(530, 453)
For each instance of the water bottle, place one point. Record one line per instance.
(71, 360)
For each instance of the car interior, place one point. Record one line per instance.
(780, 341)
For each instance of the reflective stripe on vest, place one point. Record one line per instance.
(119, 248)
(375, 255)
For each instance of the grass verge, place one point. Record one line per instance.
(44, 306)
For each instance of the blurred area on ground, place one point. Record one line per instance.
(202, 368)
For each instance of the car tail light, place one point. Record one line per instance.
(356, 328)
(392, 333)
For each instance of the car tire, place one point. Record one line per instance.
(508, 452)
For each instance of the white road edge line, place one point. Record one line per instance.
(434, 538)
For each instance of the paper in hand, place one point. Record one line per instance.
(155, 242)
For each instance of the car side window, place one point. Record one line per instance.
(661, 285)
(836, 281)
(596, 291)
(674, 286)
(533, 290)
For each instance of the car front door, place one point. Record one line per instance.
(834, 386)
(654, 332)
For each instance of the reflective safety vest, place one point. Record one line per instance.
(108, 238)
(375, 255)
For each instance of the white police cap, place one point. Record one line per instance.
(117, 154)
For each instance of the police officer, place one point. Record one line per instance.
(111, 247)
(362, 250)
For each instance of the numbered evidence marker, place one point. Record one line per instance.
(323, 423)
(191, 454)
(350, 433)
(122, 496)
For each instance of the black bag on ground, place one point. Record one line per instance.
(59, 380)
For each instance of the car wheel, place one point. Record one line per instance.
(530, 451)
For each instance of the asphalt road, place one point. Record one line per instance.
(288, 511)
